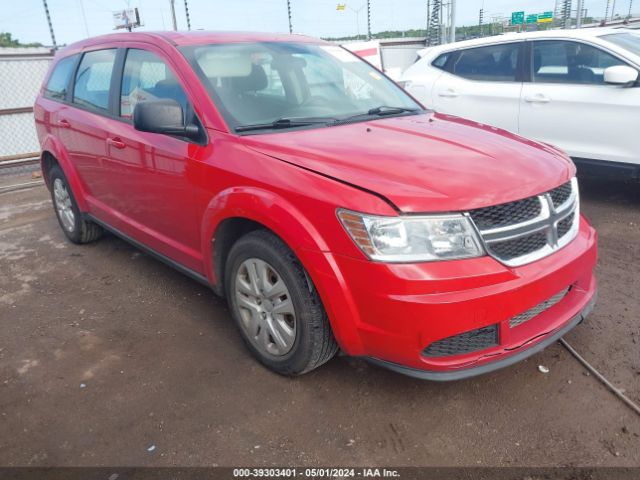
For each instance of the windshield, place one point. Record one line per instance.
(628, 41)
(286, 84)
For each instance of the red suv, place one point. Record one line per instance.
(326, 204)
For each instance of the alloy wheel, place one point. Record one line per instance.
(266, 310)
(63, 205)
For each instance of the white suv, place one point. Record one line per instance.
(576, 89)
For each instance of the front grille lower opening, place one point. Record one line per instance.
(467, 342)
(538, 309)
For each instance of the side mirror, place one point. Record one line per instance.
(162, 116)
(620, 75)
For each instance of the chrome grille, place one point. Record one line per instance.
(506, 214)
(518, 247)
(520, 232)
(538, 309)
(561, 194)
(565, 225)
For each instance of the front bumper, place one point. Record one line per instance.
(519, 354)
(392, 312)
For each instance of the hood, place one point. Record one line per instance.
(424, 163)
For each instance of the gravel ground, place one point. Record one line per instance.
(106, 353)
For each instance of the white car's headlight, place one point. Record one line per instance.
(412, 238)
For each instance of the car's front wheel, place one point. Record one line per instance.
(76, 228)
(276, 307)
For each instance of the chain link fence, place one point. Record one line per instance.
(21, 73)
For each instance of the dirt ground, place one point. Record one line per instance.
(106, 353)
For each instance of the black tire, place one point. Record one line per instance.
(314, 342)
(82, 231)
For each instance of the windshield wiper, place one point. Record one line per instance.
(385, 110)
(283, 123)
(380, 111)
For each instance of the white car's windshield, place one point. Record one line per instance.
(260, 86)
(628, 41)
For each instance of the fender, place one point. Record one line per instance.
(264, 207)
(53, 146)
(295, 229)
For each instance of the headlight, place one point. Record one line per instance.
(412, 238)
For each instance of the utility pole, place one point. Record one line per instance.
(368, 19)
(613, 7)
(289, 14)
(452, 34)
(357, 12)
(630, 6)
(173, 14)
(186, 11)
(481, 20)
(53, 37)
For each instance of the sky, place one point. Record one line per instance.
(77, 19)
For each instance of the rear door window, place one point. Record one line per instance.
(58, 82)
(147, 77)
(493, 63)
(570, 62)
(93, 79)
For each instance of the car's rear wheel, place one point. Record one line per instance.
(276, 307)
(74, 226)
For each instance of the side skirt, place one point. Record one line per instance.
(159, 256)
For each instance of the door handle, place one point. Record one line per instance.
(449, 93)
(116, 142)
(63, 123)
(537, 98)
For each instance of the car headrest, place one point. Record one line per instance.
(287, 62)
(256, 80)
(537, 60)
(224, 64)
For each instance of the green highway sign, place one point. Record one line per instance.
(532, 18)
(517, 18)
(545, 17)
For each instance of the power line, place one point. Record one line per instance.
(84, 18)
(289, 14)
